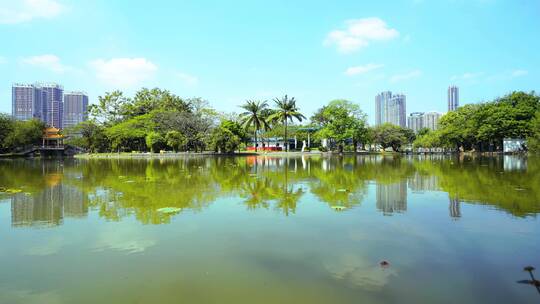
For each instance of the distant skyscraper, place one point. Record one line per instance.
(381, 107)
(54, 106)
(415, 121)
(453, 98)
(75, 108)
(390, 109)
(431, 120)
(397, 109)
(27, 102)
(41, 101)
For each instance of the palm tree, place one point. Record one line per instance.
(254, 116)
(286, 110)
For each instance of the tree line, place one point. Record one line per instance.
(155, 119)
(483, 126)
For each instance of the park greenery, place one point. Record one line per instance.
(16, 135)
(482, 127)
(155, 120)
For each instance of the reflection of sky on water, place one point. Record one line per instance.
(360, 272)
(127, 238)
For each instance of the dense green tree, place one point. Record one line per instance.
(89, 135)
(109, 109)
(389, 135)
(286, 110)
(227, 137)
(146, 101)
(24, 134)
(130, 135)
(176, 140)
(254, 117)
(342, 120)
(7, 124)
(155, 141)
(533, 141)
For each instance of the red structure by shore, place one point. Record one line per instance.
(269, 149)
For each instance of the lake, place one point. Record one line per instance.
(313, 229)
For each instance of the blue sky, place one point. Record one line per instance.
(230, 51)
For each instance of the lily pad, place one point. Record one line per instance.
(169, 210)
(10, 190)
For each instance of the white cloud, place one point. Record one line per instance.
(406, 76)
(187, 79)
(361, 69)
(359, 33)
(124, 72)
(12, 12)
(3, 60)
(519, 73)
(468, 76)
(47, 61)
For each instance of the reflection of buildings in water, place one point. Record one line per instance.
(392, 198)
(48, 207)
(454, 208)
(514, 163)
(421, 183)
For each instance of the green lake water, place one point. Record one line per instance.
(270, 230)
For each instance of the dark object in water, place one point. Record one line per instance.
(528, 268)
(384, 264)
(535, 283)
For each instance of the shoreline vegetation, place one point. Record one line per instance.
(155, 120)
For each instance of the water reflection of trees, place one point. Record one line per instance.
(52, 191)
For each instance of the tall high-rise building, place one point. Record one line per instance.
(54, 106)
(390, 109)
(431, 120)
(415, 121)
(27, 102)
(75, 108)
(381, 107)
(397, 109)
(453, 98)
(41, 101)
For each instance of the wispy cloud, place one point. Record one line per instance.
(187, 79)
(362, 69)
(359, 33)
(476, 77)
(467, 76)
(19, 11)
(47, 61)
(123, 72)
(406, 76)
(518, 73)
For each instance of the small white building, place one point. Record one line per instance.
(512, 145)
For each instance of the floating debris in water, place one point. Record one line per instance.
(338, 208)
(384, 264)
(169, 210)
